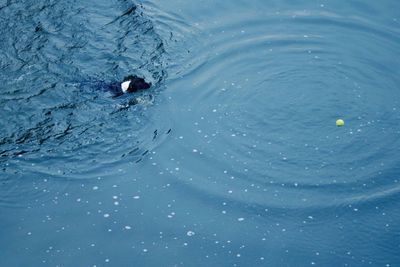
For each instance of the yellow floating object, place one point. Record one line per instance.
(340, 123)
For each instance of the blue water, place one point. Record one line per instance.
(232, 158)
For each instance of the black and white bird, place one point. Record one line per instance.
(133, 83)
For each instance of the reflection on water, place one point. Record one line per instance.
(233, 159)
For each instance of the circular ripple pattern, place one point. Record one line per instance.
(294, 74)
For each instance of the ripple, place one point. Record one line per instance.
(265, 95)
(59, 123)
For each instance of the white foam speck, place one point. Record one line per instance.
(190, 233)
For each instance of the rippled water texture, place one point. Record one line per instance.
(232, 158)
(55, 55)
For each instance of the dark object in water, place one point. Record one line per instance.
(133, 83)
(130, 84)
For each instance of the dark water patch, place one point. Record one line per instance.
(55, 60)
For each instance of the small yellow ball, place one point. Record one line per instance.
(340, 123)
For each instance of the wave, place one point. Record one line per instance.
(51, 115)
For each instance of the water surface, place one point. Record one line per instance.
(231, 159)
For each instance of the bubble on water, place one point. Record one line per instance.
(190, 233)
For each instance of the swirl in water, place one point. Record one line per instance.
(260, 114)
